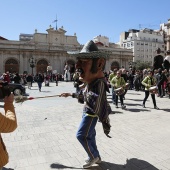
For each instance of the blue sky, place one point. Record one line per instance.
(86, 18)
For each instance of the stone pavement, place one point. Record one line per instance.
(45, 137)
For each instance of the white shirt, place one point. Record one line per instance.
(167, 58)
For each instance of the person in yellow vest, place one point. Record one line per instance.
(148, 82)
(118, 82)
(8, 123)
(111, 76)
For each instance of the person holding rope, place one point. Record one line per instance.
(90, 65)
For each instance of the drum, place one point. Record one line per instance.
(119, 91)
(153, 90)
(127, 86)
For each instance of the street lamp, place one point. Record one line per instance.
(32, 62)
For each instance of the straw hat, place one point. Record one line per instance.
(90, 50)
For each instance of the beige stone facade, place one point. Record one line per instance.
(168, 34)
(51, 48)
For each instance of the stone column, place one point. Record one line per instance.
(1, 63)
(107, 66)
(168, 42)
(21, 63)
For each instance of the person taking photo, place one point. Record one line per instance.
(8, 123)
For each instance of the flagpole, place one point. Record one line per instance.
(56, 22)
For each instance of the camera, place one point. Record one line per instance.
(4, 90)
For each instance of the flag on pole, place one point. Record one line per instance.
(56, 22)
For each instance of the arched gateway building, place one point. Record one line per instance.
(33, 53)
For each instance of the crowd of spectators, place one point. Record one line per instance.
(135, 77)
(26, 79)
(132, 76)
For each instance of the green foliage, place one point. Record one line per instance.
(140, 65)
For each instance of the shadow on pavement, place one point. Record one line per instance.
(109, 98)
(33, 89)
(137, 110)
(60, 166)
(166, 110)
(110, 102)
(131, 164)
(116, 112)
(45, 91)
(130, 104)
(7, 168)
(133, 93)
(109, 95)
(135, 99)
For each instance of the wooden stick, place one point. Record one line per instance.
(30, 98)
(21, 99)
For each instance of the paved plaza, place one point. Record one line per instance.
(45, 137)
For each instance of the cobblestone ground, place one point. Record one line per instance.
(45, 137)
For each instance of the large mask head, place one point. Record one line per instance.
(90, 55)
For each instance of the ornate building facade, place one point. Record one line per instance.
(168, 34)
(143, 43)
(40, 50)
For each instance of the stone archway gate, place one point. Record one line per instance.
(12, 66)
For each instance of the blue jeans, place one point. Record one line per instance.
(86, 135)
(113, 95)
(39, 85)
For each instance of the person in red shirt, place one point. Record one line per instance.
(6, 77)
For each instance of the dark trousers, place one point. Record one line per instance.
(137, 86)
(125, 93)
(146, 97)
(161, 91)
(121, 100)
(131, 85)
(39, 85)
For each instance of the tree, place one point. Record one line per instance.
(140, 65)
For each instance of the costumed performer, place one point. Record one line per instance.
(90, 64)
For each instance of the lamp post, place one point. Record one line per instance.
(32, 62)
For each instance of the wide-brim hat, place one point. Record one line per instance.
(90, 50)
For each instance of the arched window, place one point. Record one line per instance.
(11, 61)
(12, 66)
(114, 65)
(42, 66)
(42, 62)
